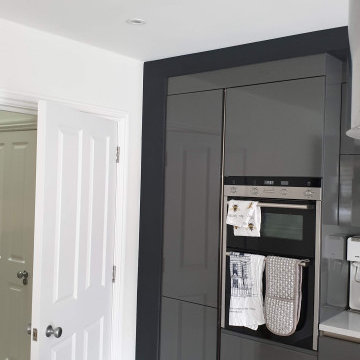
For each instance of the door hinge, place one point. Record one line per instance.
(117, 154)
(114, 273)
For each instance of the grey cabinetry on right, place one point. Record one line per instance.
(336, 349)
(275, 129)
(349, 145)
(188, 331)
(349, 214)
(192, 194)
(234, 347)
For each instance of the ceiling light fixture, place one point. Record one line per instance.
(136, 21)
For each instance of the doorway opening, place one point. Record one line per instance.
(56, 127)
(17, 207)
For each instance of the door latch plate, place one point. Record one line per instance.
(35, 334)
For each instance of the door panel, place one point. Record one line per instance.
(275, 129)
(74, 233)
(188, 331)
(192, 194)
(67, 221)
(334, 349)
(17, 200)
(240, 348)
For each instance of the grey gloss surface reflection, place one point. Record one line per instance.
(192, 197)
(275, 129)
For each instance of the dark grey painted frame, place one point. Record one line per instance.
(156, 74)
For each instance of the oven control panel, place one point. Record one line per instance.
(274, 192)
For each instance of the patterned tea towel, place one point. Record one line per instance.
(253, 226)
(246, 302)
(245, 216)
(240, 212)
(283, 294)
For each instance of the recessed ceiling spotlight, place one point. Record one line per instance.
(136, 21)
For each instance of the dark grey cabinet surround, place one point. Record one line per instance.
(234, 347)
(188, 331)
(156, 74)
(336, 349)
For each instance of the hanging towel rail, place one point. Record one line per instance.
(303, 263)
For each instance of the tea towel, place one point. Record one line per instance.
(245, 216)
(240, 212)
(246, 302)
(253, 226)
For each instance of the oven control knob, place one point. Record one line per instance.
(308, 193)
(233, 190)
(283, 192)
(254, 191)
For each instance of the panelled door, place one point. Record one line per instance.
(17, 198)
(74, 235)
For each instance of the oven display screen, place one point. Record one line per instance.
(283, 226)
(269, 182)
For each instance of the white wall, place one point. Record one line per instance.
(48, 66)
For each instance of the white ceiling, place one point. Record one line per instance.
(175, 27)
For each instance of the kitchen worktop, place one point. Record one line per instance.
(346, 323)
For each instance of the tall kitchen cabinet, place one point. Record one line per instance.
(273, 119)
(191, 230)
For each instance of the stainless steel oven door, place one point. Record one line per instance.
(288, 228)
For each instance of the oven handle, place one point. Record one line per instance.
(285, 206)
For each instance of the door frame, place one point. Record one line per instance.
(28, 104)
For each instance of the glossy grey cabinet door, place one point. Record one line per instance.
(275, 129)
(234, 347)
(348, 145)
(192, 197)
(188, 331)
(335, 349)
(349, 211)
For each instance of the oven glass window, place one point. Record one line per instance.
(284, 226)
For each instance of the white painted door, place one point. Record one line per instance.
(17, 199)
(74, 234)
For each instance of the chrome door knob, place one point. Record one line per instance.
(24, 276)
(57, 332)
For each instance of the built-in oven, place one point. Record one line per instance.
(290, 227)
